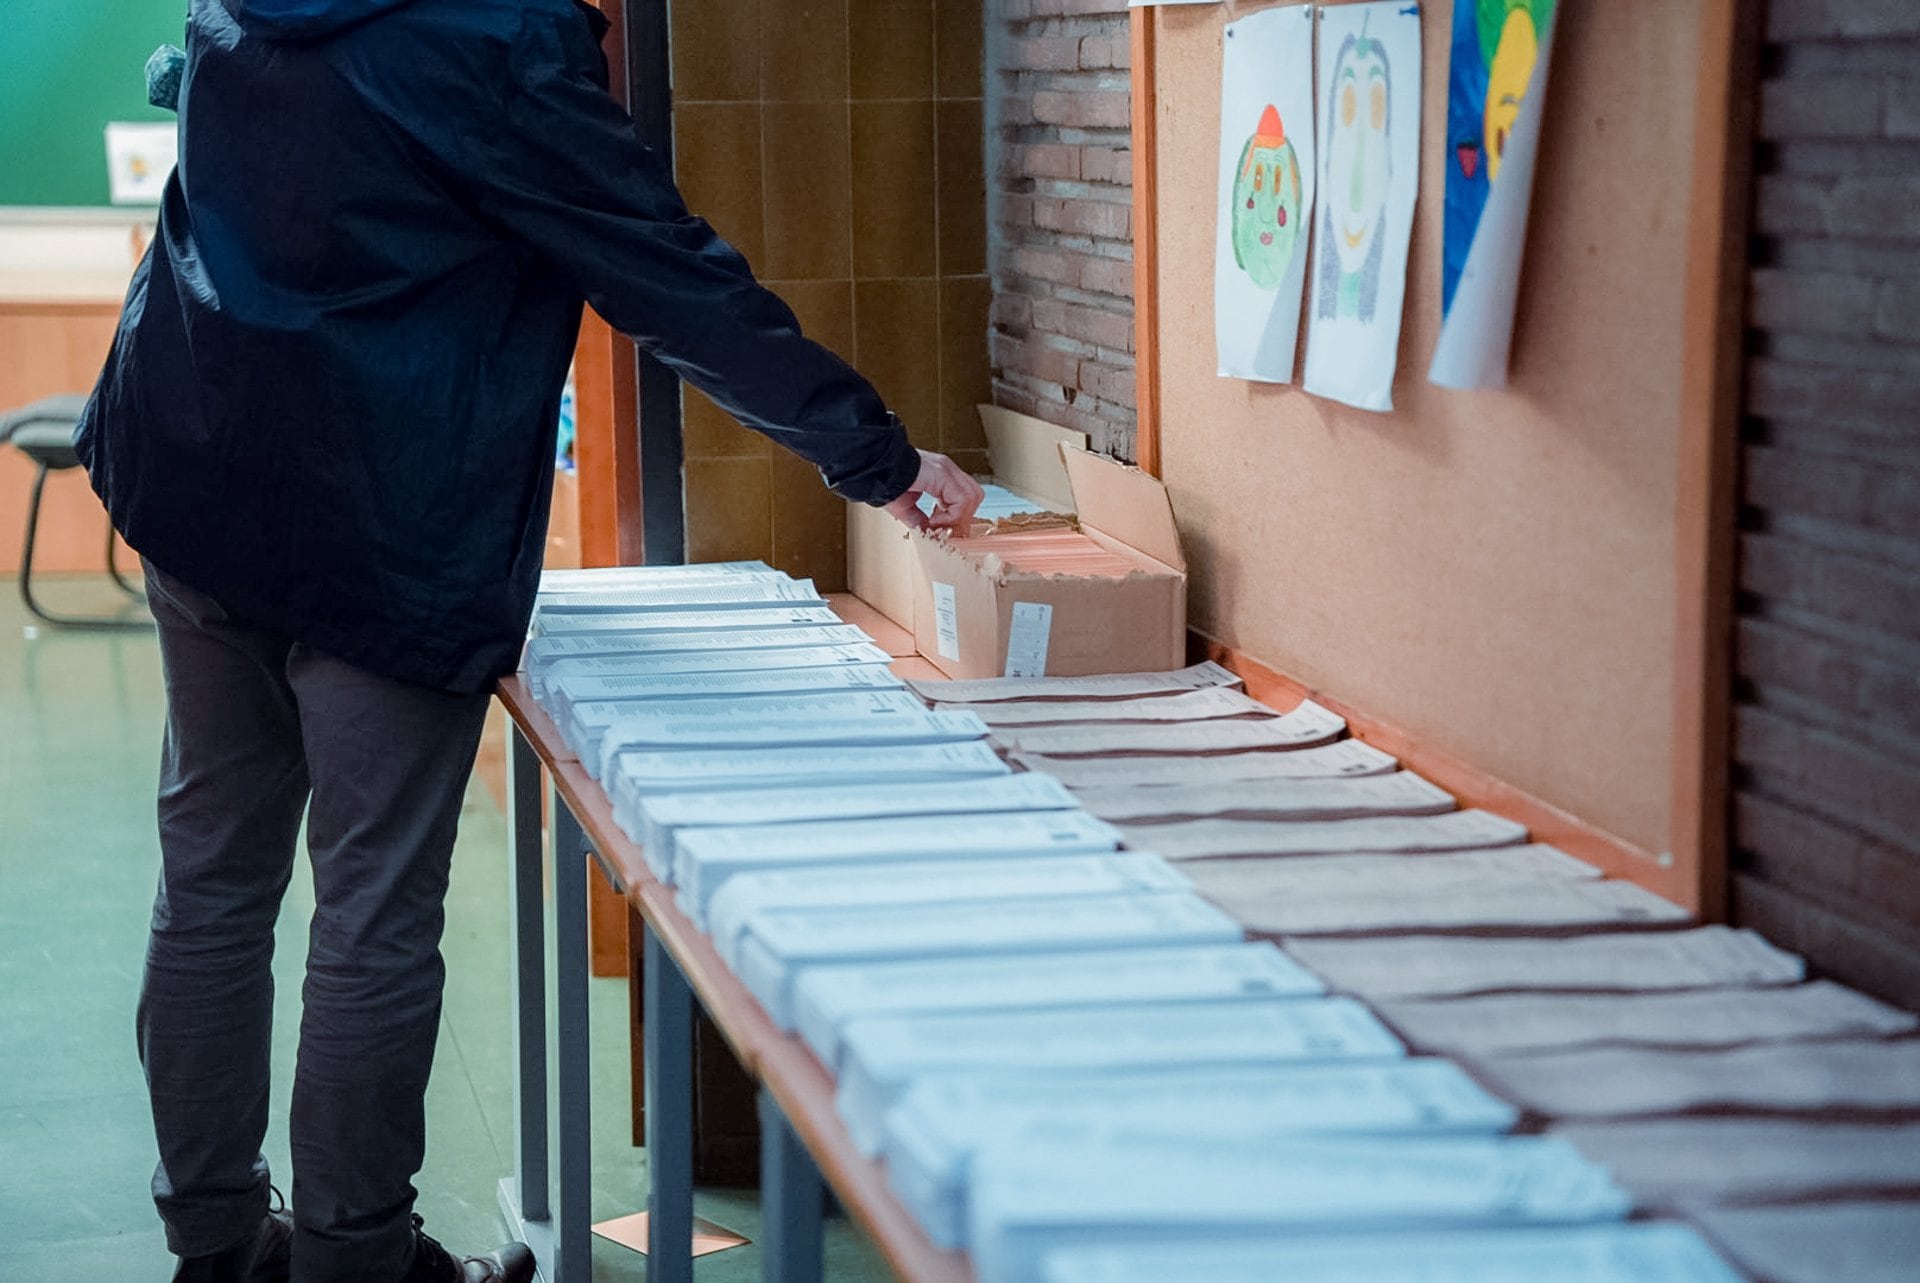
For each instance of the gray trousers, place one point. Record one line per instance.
(259, 730)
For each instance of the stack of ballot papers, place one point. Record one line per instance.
(882, 1056)
(545, 655)
(1135, 1183)
(997, 501)
(587, 723)
(653, 622)
(827, 999)
(777, 945)
(605, 695)
(1055, 551)
(940, 1123)
(652, 729)
(634, 776)
(746, 895)
(737, 592)
(558, 677)
(704, 859)
(1654, 1252)
(663, 818)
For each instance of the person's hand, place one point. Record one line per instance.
(956, 496)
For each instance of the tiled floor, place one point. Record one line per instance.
(80, 717)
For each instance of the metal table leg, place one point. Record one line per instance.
(523, 1196)
(792, 1202)
(667, 1037)
(573, 1068)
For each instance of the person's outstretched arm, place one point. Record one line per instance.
(564, 173)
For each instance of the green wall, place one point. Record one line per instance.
(66, 69)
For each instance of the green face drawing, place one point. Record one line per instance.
(1266, 204)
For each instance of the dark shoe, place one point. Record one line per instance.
(265, 1258)
(432, 1263)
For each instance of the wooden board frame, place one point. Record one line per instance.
(1718, 225)
(1694, 872)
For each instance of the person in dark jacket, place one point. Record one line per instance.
(327, 423)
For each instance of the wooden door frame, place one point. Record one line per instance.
(1719, 222)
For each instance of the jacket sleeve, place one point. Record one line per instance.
(567, 176)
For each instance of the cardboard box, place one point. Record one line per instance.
(1024, 453)
(977, 616)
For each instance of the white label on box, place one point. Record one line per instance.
(1027, 639)
(946, 621)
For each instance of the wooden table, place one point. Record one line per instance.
(804, 1144)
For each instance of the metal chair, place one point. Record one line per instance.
(43, 431)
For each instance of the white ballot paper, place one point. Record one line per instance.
(1531, 905)
(843, 886)
(881, 1057)
(663, 818)
(779, 945)
(1495, 1023)
(706, 858)
(1295, 877)
(1341, 759)
(826, 999)
(634, 690)
(1053, 1185)
(1099, 686)
(593, 577)
(1637, 1253)
(1207, 704)
(648, 730)
(566, 623)
(644, 773)
(940, 1123)
(543, 652)
(1307, 725)
(1776, 1077)
(587, 723)
(638, 775)
(737, 592)
(551, 677)
(1854, 1242)
(1438, 966)
(1674, 1164)
(1401, 793)
(1213, 839)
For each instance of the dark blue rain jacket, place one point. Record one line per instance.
(332, 401)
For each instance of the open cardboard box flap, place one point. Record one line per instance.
(1025, 454)
(1124, 504)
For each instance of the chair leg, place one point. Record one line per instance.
(26, 573)
(113, 566)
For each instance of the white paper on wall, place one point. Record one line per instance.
(1368, 98)
(1266, 188)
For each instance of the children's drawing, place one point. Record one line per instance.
(1368, 96)
(1266, 192)
(1495, 89)
(1359, 109)
(1266, 203)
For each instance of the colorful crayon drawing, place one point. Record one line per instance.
(1359, 177)
(1496, 44)
(1368, 96)
(1266, 203)
(1267, 175)
(1496, 92)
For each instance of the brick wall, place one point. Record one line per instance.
(1827, 751)
(1061, 251)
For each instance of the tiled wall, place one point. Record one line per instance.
(838, 144)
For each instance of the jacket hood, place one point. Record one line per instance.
(293, 20)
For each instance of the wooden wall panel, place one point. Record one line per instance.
(1492, 572)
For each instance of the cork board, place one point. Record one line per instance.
(1493, 572)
